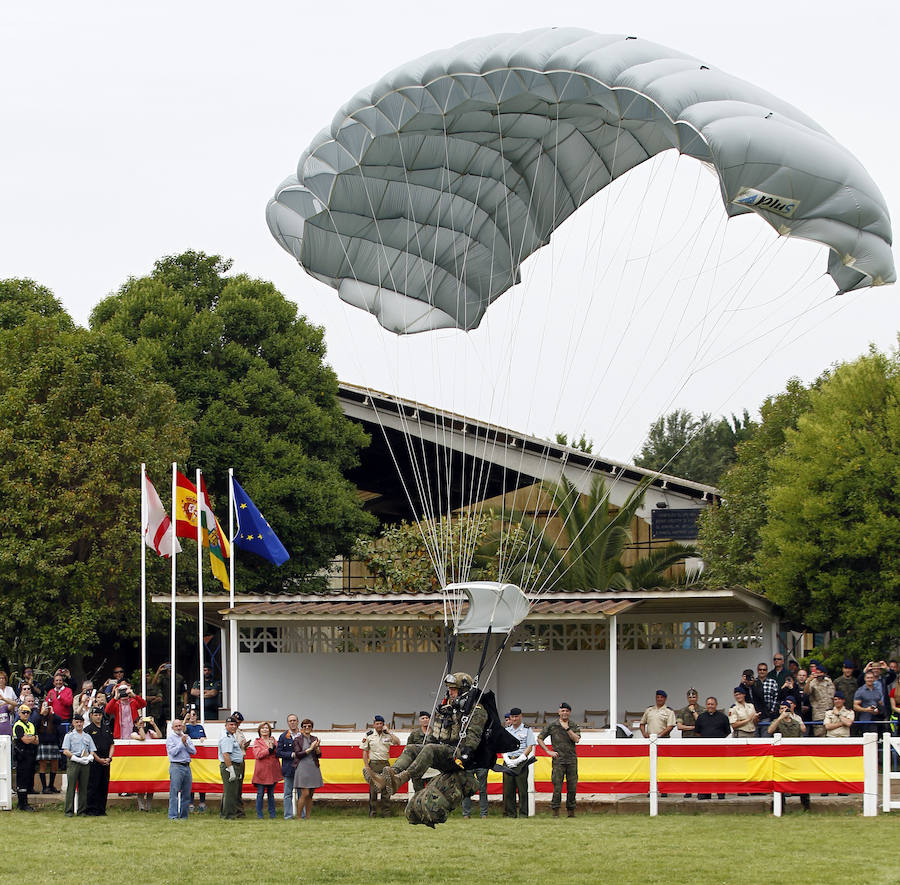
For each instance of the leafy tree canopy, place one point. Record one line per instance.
(21, 299)
(699, 449)
(729, 533)
(830, 552)
(250, 374)
(78, 413)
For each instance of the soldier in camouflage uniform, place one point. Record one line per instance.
(444, 793)
(563, 737)
(444, 748)
(416, 737)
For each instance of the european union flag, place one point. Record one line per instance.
(254, 533)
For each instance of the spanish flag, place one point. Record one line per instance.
(186, 510)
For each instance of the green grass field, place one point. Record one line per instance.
(342, 845)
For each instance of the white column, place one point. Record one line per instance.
(233, 664)
(654, 785)
(886, 774)
(613, 639)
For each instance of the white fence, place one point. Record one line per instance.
(5, 772)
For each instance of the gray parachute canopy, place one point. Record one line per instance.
(430, 188)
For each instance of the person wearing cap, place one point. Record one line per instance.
(820, 690)
(453, 747)
(789, 725)
(417, 737)
(563, 735)
(25, 746)
(230, 755)
(517, 761)
(660, 718)
(98, 780)
(79, 749)
(686, 717)
(212, 688)
(847, 682)
(742, 716)
(376, 753)
(839, 719)
(240, 767)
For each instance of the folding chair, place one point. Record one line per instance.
(403, 720)
(349, 726)
(593, 717)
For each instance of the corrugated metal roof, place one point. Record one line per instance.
(386, 609)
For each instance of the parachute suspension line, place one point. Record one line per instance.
(532, 544)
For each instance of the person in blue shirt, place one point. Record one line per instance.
(195, 731)
(179, 748)
(79, 750)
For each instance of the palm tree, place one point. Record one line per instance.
(587, 554)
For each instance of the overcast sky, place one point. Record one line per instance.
(132, 131)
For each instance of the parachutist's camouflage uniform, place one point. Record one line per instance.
(440, 749)
(444, 793)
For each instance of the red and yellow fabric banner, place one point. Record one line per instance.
(612, 767)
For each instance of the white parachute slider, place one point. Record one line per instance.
(493, 605)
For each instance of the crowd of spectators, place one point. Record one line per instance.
(58, 725)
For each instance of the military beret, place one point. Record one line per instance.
(790, 699)
(515, 711)
(659, 691)
(564, 706)
(741, 689)
(848, 663)
(238, 717)
(840, 694)
(378, 719)
(425, 713)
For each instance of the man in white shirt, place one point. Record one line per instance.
(517, 760)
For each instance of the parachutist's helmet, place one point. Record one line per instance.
(460, 681)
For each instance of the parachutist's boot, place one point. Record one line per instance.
(376, 780)
(398, 778)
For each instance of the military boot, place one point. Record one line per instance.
(398, 778)
(376, 780)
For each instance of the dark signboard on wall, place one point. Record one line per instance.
(679, 525)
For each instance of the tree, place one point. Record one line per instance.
(582, 442)
(697, 449)
(830, 552)
(587, 555)
(729, 532)
(21, 299)
(251, 376)
(78, 414)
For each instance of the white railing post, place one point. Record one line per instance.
(654, 785)
(777, 795)
(870, 768)
(531, 790)
(5, 772)
(886, 774)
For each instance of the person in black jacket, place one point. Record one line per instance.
(712, 723)
(98, 779)
(284, 749)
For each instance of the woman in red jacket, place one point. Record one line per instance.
(267, 770)
(124, 706)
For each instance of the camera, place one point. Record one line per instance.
(122, 693)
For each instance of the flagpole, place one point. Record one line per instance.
(173, 670)
(144, 520)
(232, 624)
(200, 596)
